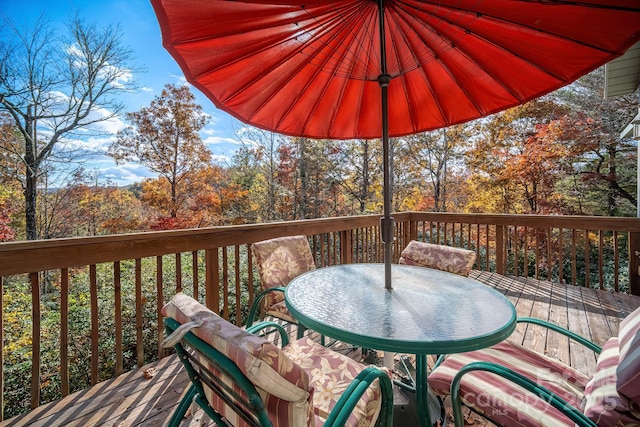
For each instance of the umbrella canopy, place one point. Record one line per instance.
(368, 69)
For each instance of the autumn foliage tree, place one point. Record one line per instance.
(515, 160)
(604, 176)
(165, 138)
(51, 87)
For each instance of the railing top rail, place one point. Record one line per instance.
(31, 256)
(546, 221)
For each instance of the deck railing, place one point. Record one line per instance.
(110, 288)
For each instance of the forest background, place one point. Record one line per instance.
(560, 154)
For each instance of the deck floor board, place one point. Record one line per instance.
(133, 400)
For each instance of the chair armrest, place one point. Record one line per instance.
(254, 329)
(543, 393)
(349, 399)
(572, 335)
(257, 301)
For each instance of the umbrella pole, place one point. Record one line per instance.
(386, 223)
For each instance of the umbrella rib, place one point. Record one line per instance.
(410, 19)
(353, 12)
(451, 42)
(322, 68)
(266, 71)
(357, 41)
(481, 14)
(404, 86)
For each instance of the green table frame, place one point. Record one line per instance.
(427, 312)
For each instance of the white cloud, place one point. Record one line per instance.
(180, 79)
(125, 174)
(116, 76)
(111, 125)
(218, 140)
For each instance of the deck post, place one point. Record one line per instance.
(634, 263)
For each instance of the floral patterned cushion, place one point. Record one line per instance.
(299, 384)
(330, 373)
(445, 258)
(283, 384)
(628, 371)
(279, 260)
(602, 403)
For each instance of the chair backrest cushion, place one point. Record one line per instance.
(283, 385)
(441, 257)
(628, 371)
(280, 260)
(602, 403)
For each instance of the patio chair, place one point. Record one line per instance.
(241, 379)
(441, 257)
(515, 386)
(279, 260)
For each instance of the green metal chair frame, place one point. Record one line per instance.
(253, 312)
(570, 411)
(251, 408)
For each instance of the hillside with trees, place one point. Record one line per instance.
(561, 154)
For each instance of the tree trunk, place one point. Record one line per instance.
(31, 177)
(30, 198)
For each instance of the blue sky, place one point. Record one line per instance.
(141, 33)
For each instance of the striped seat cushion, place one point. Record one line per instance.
(602, 403)
(504, 402)
(441, 257)
(628, 371)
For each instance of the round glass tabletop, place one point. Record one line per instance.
(427, 311)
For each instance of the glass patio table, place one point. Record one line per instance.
(427, 312)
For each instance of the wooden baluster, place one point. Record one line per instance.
(238, 286)
(117, 288)
(500, 241)
(616, 262)
(561, 255)
(225, 283)
(64, 332)
(139, 313)
(35, 339)
(160, 303)
(250, 274)
(95, 331)
(525, 249)
(178, 272)
(600, 260)
(549, 254)
(212, 280)
(634, 263)
(195, 266)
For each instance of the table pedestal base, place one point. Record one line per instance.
(404, 408)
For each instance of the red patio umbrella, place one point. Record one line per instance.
(378, 68)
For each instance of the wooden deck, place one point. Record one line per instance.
(132, 400)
